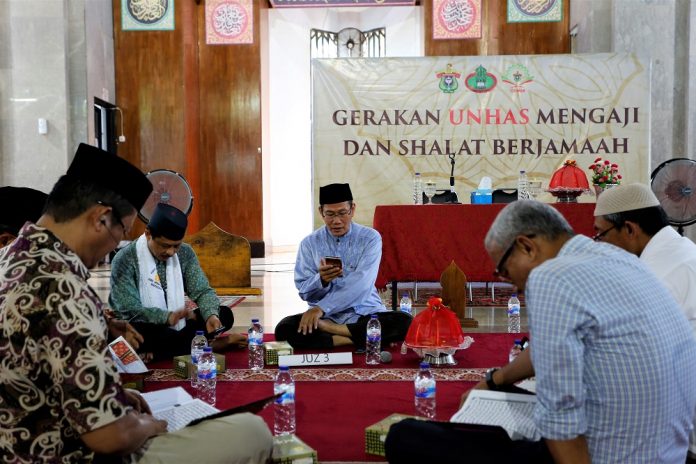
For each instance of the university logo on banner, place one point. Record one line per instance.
(229, 22)
(534, 11)
(457, 19)
(147, 15)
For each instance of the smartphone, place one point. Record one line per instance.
(215, 333)
(334, 261)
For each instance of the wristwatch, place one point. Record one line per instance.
(489, 380)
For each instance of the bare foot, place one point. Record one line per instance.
(229, 341)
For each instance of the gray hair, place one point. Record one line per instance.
(526, 217)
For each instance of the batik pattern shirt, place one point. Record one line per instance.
(57, 380)
(614, 356)
(125, 295)
(346, 298)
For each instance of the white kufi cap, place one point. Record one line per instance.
(625, 198)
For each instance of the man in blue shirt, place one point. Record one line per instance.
(614, 356)
(340, 292)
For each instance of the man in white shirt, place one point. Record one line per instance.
(631, 218)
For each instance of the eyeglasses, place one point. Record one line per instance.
(500, 270)
(600, 235)
(341, 213)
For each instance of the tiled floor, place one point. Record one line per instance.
(274, 275)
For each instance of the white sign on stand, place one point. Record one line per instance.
(315, 359)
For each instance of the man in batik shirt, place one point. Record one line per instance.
(61, 399)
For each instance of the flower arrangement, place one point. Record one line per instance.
(605, 173)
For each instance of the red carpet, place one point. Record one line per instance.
(332, 412)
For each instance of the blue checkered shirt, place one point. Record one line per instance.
(615, 358)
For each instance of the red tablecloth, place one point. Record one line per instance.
(419, 241)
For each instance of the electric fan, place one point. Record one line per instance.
(168, 187)
(350, 41)
(674, 183)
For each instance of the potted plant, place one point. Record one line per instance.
(605, 174)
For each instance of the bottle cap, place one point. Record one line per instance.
(523, 172)
(199, 332)
(418, 173)
(207, 349)
(514, 295)
(518, 341)
(283, 368)
(254, 321)
(405, 294)
(424, 365)
(373, 316)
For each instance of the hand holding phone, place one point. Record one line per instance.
(334, 261)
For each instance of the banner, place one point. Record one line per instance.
(147, 15)
(377, 122)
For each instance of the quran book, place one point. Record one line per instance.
(511, 411)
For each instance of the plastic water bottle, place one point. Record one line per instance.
(255, 345)
(522, 186)
(425, 392)
(373, 340)
(405, 304)
(284, 418)
(207, 376)
(417, 189)
(197, 344)
(513, 314)
(515, 350)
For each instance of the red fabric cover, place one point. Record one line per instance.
(569, 176)
(419, 241)
(435, 327)
(332, 416)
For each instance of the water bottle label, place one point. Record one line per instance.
(514, 310)
(374, 338)
(288, 395)
(428, 392)
(255, 339)
(207, 374)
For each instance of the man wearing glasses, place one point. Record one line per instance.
(149, 281)
(614, 357)
(335, 274)
(630, 217)
(61, 399)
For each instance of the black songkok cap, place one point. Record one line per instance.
(334, 193)
(108, 171)
(168, 222)
(19, 205)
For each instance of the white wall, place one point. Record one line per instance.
(287, 177)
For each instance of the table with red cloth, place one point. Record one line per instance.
(419, 241)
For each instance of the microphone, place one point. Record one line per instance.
(385, 357)
(453, 195)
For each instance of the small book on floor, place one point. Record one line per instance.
(511, 411)
(180, 409)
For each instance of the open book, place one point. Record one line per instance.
(180, 409)
(511, 411)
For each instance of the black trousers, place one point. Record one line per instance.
(165, 343)
(394, 328)
(414, 440)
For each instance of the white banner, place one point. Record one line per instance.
(376, 122)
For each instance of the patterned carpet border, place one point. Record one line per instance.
(333, 375)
